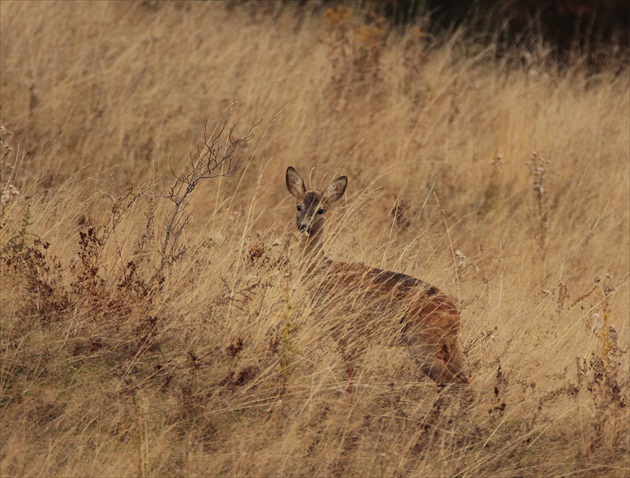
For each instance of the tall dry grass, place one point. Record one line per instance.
(133, 348)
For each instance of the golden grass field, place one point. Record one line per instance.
(129, 347)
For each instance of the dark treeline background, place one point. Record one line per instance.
(565, 23)
(566, 26)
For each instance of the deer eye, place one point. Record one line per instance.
(299, 207)
(320, 211)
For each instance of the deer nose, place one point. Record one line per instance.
(304, 229)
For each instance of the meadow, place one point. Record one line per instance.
(155, 318)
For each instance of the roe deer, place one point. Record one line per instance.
(422, 317)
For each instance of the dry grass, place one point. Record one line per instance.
(507, 187)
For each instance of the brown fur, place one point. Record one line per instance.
(427, 321)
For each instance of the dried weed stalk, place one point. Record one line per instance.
(354, 47)
(602, 374)
(538, 168)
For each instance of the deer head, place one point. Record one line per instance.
(311, 205)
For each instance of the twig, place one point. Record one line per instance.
(217, 158)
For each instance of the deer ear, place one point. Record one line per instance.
(295, 183)
(336, 189)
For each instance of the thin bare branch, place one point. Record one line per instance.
(218, 157)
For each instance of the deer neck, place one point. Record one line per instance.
(313, 245)
(315, 257)
(313, 252)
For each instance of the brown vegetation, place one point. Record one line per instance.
(155, 323)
